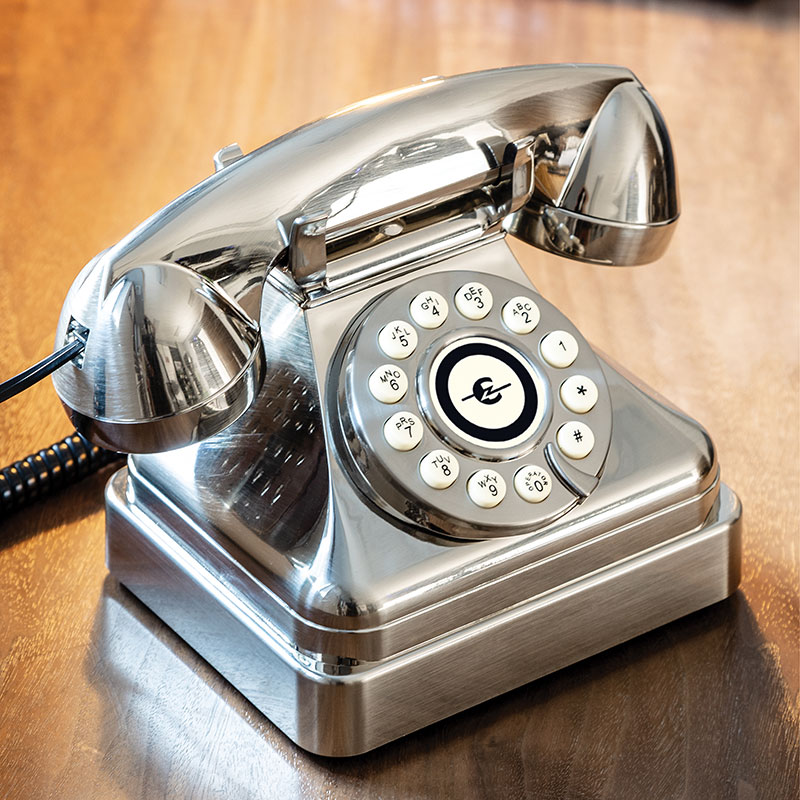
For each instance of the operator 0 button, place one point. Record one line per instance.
(533, 484)
(403, 430)
(559, 349)
(439, 469)
(429, 310)
(579, 394)
(388, 384)
(486, 488)
(474, 300)
(398, 339)
(575, 439)
(521, 315)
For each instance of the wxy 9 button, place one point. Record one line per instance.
(429, 310)
(474, 300)
(486, 488)
(398, 339)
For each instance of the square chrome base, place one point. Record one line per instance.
(340, 706)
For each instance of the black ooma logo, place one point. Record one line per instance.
(485, 392)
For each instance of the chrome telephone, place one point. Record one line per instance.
(375, 477)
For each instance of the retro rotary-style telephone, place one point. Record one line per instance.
(378, 478)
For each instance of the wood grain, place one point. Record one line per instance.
(109, 110)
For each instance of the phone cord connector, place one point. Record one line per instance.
(43, 473)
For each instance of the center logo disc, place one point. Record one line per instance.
(486, 392)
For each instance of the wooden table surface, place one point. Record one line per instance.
(109, 110)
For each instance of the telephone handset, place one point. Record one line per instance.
(375, 477)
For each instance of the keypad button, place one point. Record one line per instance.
(533, 484)
(474, 300)
(486, 488)
(575, 439)
(403, 430)
(398, 339)
(439, 469)
(429, 309)
(388, 384)
(579, 394)
(521, 315)
(559, 349)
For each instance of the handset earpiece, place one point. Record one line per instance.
(170, 359)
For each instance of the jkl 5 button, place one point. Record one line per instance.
(398, 339)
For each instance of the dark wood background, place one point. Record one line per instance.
(109, 110)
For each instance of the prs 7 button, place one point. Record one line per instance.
(439, 469)
(474, 300)
(575, 439)
(429, 310)
(533, 484)
(486, 488)
(521, 315)
(579, 394)
(403, 430)
(559, 349)
(388, 384)
(398, 339)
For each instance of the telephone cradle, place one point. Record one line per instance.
(375, 478)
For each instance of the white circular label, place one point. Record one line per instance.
(439, 469)
(474, 300)
(533, 484)
(559, 349)
(521, 315)
(486, 488)
(575, 439)
(579, 394)
(388, 384)
(403, 430)
(429, 309)
(398, 339)
(486, 392)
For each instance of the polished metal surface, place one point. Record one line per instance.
(411, 174)
(334, 706)
(278, 501)
(236, 329)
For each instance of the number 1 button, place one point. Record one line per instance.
(403, 430)
(559, 349)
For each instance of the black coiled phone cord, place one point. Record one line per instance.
(43, 473)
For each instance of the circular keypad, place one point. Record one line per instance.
(450, 388)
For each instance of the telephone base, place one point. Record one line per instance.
(339, 706)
